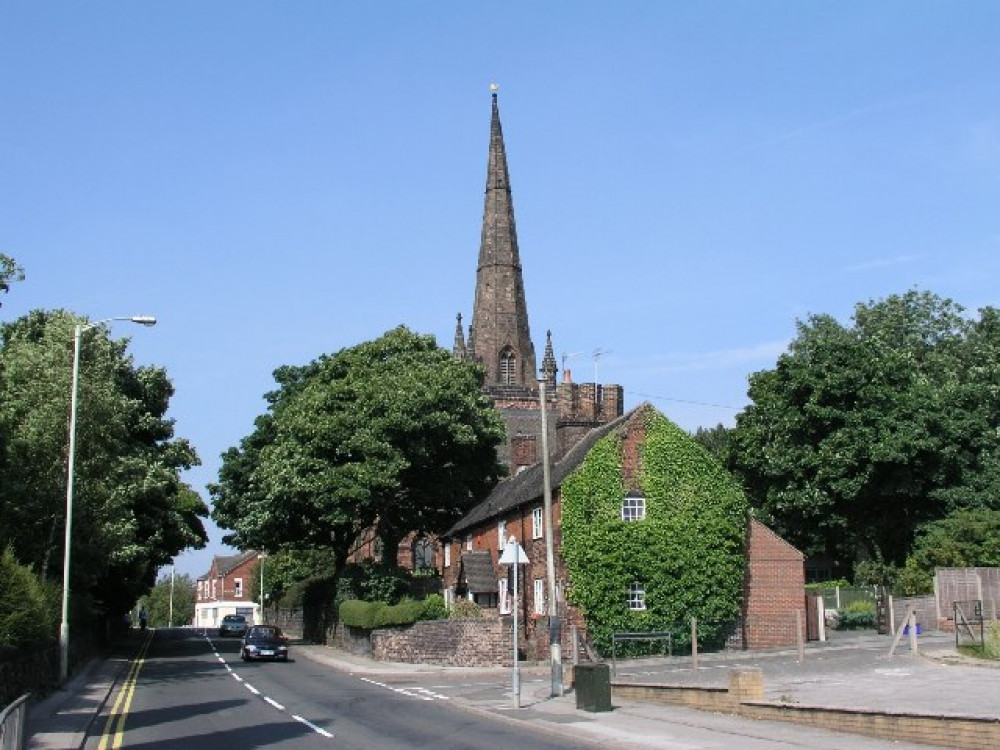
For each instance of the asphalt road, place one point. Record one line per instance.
(185, 690)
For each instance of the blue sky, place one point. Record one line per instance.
(278, 180)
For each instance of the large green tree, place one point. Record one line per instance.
(132, 512)
(394, 434)
(171, 600)
(863, 433)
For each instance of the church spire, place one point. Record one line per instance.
(502, 338)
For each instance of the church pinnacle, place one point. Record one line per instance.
(499, 336)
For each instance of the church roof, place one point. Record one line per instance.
(527, 486)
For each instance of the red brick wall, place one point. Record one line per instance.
(774, 589)
(523, 452)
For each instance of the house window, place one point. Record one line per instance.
(539, 596)
(214, 582)
(637, 596)
(508, 367)
(468, 542)
(536, 523)
(504, 596)
(423, 553)
(501, 534)
(378, 547)
(447, 554)
(238, 588)
(633, 509)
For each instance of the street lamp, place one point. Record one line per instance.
(144, 320)
(261, 557)
(555, 626)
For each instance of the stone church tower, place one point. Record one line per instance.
(500, 336)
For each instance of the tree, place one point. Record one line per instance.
(862, 433)
(715, 440)
(157, 602)
(10, 271)
(130, 506)
(284, 569)
(394, 434)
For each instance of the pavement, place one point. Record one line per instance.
(850, 672)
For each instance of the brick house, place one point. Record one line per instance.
(773, 573)
(225, 590)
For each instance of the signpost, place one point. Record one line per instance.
(514, 554)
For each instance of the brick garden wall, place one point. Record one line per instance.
(479, 642)
(774, 586)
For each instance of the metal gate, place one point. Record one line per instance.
(969, 627)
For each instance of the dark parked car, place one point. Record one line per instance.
(233, 625)
(264, 642)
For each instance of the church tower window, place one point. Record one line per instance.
(508, 367)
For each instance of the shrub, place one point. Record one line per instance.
(373, 582)
(991, 647)
(859, 614)
(371, 615)
(434, 608)
(464, 609)
(28, 612)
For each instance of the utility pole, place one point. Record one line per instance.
(555, 626)
(170, 618)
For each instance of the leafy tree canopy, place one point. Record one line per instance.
(862, 433)
(394, 433)
(132, 513)
(715, 440)
(10, 271)
(158, 602)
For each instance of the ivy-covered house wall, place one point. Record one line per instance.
(653, 532)
(650, 531)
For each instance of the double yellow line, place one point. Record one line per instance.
(114, 729)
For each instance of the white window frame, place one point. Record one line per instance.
(501, 534)
(503, 596)
(637, 597)
(633, 508)
(468, 542)
(539, 596)
(447, 554)
(537, 525)
(237, 588)
(214, 588)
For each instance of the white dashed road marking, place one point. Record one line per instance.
(255, 691)
(318, 730)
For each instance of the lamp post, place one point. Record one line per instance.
(170, 618)
(555, 626)
(262, 556)
(145, 320)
